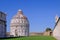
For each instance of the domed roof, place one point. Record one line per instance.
(16, 18)
(20, 15)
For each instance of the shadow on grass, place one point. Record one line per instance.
(12, 37)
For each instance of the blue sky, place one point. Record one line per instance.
(40, 13)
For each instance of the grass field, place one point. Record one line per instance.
(31, 38)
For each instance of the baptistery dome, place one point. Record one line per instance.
(19, 25)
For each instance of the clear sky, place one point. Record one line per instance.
(40, 13)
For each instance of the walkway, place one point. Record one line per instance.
(58, 38)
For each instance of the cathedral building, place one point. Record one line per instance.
(2, 24)
(56, 31)
(19, 25)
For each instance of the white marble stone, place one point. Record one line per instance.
(19, 25)
(56, 31)
(2, 25)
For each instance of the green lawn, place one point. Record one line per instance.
(31, 38)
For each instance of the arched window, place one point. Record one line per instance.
(16, 32)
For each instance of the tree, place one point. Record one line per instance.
(48, 29)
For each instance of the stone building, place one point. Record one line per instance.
(2, 24)
(19, 25)
(47, 33)
(56, 31)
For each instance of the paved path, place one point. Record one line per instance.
(58, 38)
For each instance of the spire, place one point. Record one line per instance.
(56, 18)
(20, 11)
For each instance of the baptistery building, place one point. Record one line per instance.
(19, 25)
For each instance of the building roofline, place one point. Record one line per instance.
(3, 12)
(56, 23)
